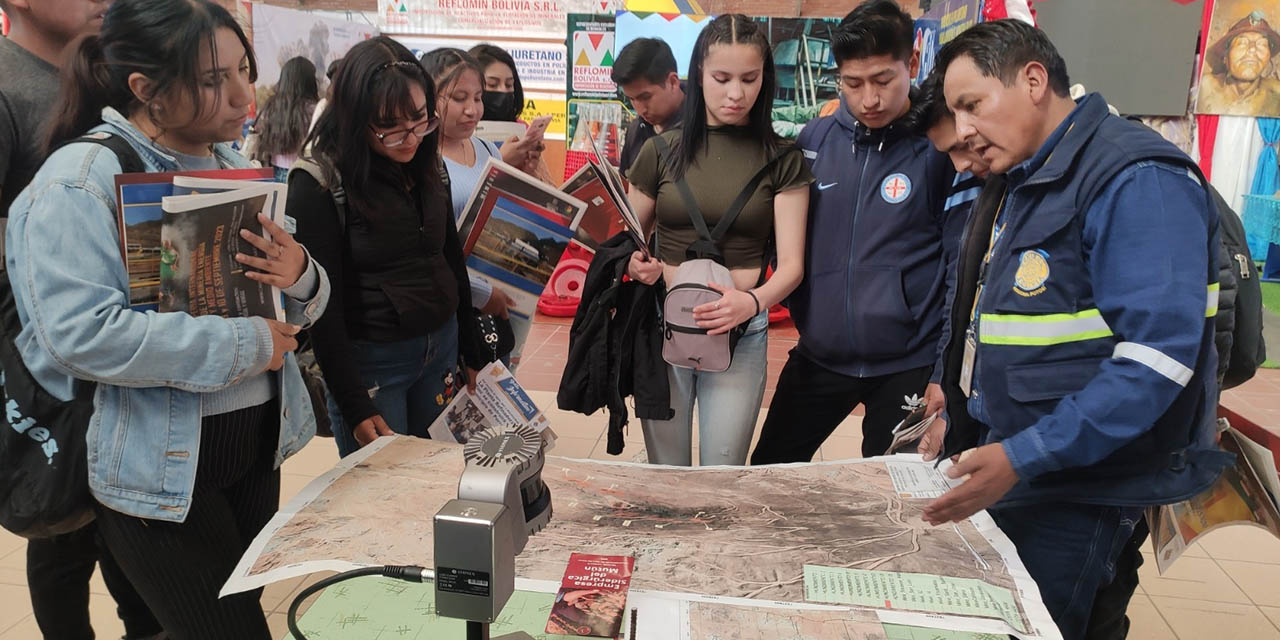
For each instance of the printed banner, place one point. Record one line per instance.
(541, 65)
(594, 107)
(486, 18)
(280, 34)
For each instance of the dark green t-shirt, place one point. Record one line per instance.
(720, 172)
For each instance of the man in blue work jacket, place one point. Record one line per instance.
(870, 308)
(1088, 360)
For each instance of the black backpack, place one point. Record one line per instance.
(44, 468)
(1248, 350)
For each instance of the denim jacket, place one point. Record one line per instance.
(72, 295)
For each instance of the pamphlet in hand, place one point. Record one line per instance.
(138, 215)
(498, 401)
(613, 185)
(1238, 497)
(592, 596)
(514, 231)
(200, 237)
(913, 426)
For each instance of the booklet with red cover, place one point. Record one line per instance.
(592, 597)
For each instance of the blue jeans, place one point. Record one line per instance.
(1070, 550)
(410, 383)
(728, 405)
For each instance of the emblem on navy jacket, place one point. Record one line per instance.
(1033, 272)
(895, 188)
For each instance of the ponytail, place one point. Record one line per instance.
(85, 90)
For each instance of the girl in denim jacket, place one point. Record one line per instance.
(193, 416)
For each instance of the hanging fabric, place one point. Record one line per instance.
(1266, 178)
(1235, 157)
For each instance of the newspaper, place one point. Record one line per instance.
(498, 401)
(1238, 497)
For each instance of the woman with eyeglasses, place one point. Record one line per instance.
(401, 309)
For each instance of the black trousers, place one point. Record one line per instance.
(180, 567)
(811, 401)
(58, 572)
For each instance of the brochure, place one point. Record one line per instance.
(592, 597)
(498, 401)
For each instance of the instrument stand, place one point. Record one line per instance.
(480, 631)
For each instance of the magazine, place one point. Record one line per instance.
(1238, 497)
(602, 218)
(200, 237)
(514, 231)
(138, 215)
(592, 597)
(498, 401)
(613, 185)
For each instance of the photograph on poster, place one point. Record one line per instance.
(1239, 74)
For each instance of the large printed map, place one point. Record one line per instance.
(737, 532)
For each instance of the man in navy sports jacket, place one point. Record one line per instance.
(870, 309)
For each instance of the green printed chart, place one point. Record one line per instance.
(911, 592)
(386, 609)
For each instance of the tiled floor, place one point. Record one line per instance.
(1227, 587)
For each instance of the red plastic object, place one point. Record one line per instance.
(564, 290)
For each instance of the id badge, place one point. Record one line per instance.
(966, 366)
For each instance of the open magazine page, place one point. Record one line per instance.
(1238, 497)
(138, 216)
(200, 237)
(498, 401)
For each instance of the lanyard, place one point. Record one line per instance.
(997, 230)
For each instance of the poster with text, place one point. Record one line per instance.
(541, 65)
(953, 17)
(594, 103)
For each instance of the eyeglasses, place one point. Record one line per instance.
(396, 138)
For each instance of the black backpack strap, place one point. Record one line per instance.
(130, 161)
(336, 191)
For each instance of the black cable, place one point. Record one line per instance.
(408, 573)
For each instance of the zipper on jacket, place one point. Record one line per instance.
(853, 232)
(1244, 266)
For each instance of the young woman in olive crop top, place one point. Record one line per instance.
(727, 137)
